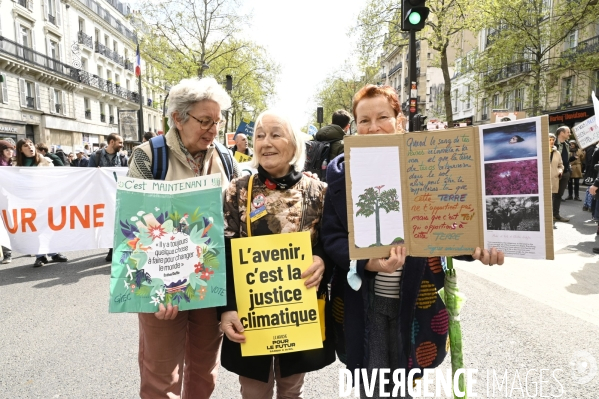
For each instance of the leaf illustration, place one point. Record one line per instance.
(210, 260)
(140, 258)
(168, 226)
(196, 215)
(194, 280)
(125, 255)
(190, 292)
(143, 291)
(144, 237)
(128, 229)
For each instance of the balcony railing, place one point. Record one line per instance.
(52, 18)
(102, 118)
(588, 46)
(129, 65)
(111, 119)
(395, 68)
(104, 85)
(101, 49)
(88, 114)
(86, 40)
(106, 16)
(30, 102)
(33, 57)
(484, 117)
(26, 3)
(509, 71)
(58, 108)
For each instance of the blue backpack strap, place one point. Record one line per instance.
(226, 158)
(159, 157)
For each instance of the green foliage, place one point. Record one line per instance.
(168, 298)
(139, 258)
(196, 215)
(190, 292)
(194, 280)
(168, 226)
(143, 291)
(175, 216)
(210, 260)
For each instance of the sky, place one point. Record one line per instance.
(309, 40)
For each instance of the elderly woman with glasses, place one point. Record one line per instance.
(286, 201)
(178, 351)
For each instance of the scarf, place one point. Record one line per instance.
(279, 183)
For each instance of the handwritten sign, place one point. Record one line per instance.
(278, 313)
(167, 248)
(241, 157)
(454, 190)
(443, 191)
(587, 132)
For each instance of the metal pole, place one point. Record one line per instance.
(413, 81)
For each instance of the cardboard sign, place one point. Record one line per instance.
(168, 245)
(587, 132)
(241, 157)
(279, 314)
(445, 193)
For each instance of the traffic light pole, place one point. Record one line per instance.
(413, 81)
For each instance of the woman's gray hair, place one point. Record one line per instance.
(183, 96)
(552, 136)
(297, 139)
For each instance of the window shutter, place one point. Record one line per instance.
(18, 33)
(64, 103)
(46, 10)
(38, 98)
(4, 89)
(52, 102)
(48, 48)
(30, 5)
(58, 12)
(23, 92)
(58, 57)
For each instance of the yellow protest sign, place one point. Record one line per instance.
(241, 157)
(279, 314)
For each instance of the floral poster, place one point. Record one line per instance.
(168, 245)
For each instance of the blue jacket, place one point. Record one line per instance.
(423, 319)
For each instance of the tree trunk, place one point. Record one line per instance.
(446, 87)
(378, 224)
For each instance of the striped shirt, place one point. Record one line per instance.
(387, 284)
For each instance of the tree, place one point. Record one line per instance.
(373, 200)
(379, 26)
(523, 47)
(338, 89)
(190, 34)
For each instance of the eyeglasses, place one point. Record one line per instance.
(207, 123)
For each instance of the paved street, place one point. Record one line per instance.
(57, 339)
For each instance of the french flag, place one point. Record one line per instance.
(137, 63)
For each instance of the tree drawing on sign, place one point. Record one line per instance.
(373, 200)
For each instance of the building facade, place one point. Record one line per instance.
(66, 70)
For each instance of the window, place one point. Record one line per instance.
(81, 25)
(110, 114)
(115, 46)
(594, 83)
(100, 71)
(508, 100)
(86, 105)
(454, 101)
(57, 101)
(84, 64)
(4, 89)
(106, 41)
(52, 11)
(519, 99)
(102, 114)
(485, 109)
(127, 84)
(53, 48)
(468, 105)
(567, 90)
(97, 35)
(571, 40)
(30, 94)
(117, 79)
(495, 101)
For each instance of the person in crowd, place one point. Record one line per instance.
(381, 306)
(147, 136)
(335, 132)
(178, 351)
(556, 167)
(43, 149)
(562, 134)
(109, 156)
(6, 159)
(576, 161)
(7, 150)
(71, 158)
(279, 156)
(102, 145)
(28, 156)
(82, 160)
(87, 150)
(241, 145)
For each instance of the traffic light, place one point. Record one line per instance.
(413, 14)
(418, 122)
(319, 114)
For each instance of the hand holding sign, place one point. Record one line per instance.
(394, 262)
(232, 327)
(315, 271)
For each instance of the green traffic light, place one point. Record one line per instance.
(414, 18)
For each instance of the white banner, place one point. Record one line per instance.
(587, 132)
(45, 210)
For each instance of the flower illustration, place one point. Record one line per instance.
(198, 267)
(206, 274)
(160, 294)
(155, 301)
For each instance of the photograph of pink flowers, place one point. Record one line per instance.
(512, 178)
